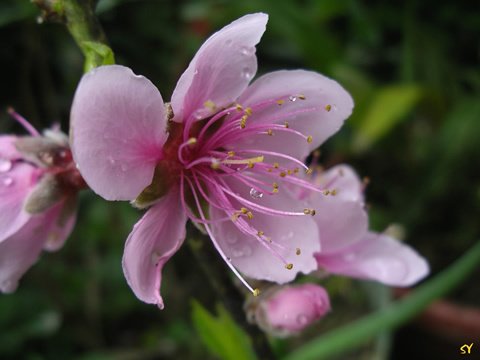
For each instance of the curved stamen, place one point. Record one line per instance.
(24, 122)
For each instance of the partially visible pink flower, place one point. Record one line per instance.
(38, 186)
(348, 247)
(219, 154)
(287, 310)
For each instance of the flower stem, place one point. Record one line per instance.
(349, 336)
(231, 297)
(79, 17)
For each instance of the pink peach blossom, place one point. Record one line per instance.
(38, 183)
(348, 247)
(218, 154)
(287, 310)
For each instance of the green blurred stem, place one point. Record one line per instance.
(232, 298)
(79, 17)
(347, 337)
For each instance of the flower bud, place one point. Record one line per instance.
(287, 310)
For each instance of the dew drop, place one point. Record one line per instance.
(247, 73)
(5, 165)
(292, 98)
(7, 181)
(302, 319)
(254, 193)
(247, 51)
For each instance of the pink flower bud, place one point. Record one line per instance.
(287, 310)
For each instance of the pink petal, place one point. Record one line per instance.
(153, 240)
(8, 151)
(344, 180)
(118, 129)
(15, 185)
(221, 69)
(308, 116)
(21, 250)
(290, 232)
(61, 229)
(291, 309)
(377, 257)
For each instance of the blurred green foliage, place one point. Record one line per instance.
(413, 71)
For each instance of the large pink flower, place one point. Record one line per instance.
(38, 184)
(218, 154)
(348, 247)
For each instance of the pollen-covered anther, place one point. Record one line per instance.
(326, 192)
(280, 102)
(256, 292)
(309, 211)
(251, 165)
(309, 171)
(328, 107)
(260, 233)
(252, 160)
(289, 172)
(243, 210)
(243, 121)
(215, 165)
(249, 215)
(248, 111)
(239, 107)
(296, 170)
(276, 165)
(309, 139)
(286, 124)
(192, 141)
(333, 192)
(270, 132)
(298, 251)
(302, 97)
(231, 153)
(275, 186)
(289, 266)
(283, 174)
(209, 104)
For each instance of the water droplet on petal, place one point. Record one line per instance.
(254, 193)
(7, 181)
(247, 50)
(247, 73)
(292, 98)
(5, 165)
(302, 319)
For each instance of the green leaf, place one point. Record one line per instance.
(389, 106)
(221, 334)
(348, 337)
(97, 54)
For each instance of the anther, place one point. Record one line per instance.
(296, 170)
(260, 233)
(249, 215)
(256, 292)
(239, 107)
(243, 121)
(280, 102)
(326, 192)
(192, 141)
(333, 192)
(328, 107)
(302, 97)
(309, 171)
(251, 165)
(231, 153)
(270, 132)
(286, 124)
(309, 139)
(309, 211)
(243, 210)
(248, 111)
(215, 165)
(298, 251)
(289, 266)
(283, 174)
(276, 165)
(289, 172)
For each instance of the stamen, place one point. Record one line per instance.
(309, 139)
(256, 292)
(289, 266)
(256, 159)
(248, 111)
(29, 127)
(189, 142)
(209, 104)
